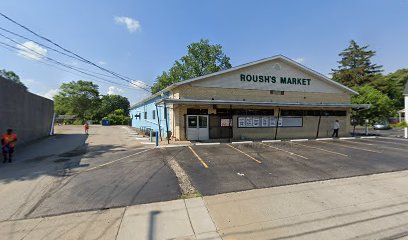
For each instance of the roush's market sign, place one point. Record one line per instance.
(274, 79)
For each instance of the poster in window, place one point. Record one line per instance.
(226, 122)
(280, 122)
(265, 122)
(241, 122)
(272, 122)
(248, 122)
(255, 122)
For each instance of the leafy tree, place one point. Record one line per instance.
(202, 58)
(12, 76)
(110, 103)
(393, 85)
(79, 98)
(381, 105)
(356, 68)
(118, 117)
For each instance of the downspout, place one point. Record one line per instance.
(318, 124)
(158, 122)
(277, 124)
(167, 125)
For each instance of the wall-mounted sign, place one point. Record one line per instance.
(268, 122)
(248, 122)
(274, 79)
(226, 122)
(255, 122)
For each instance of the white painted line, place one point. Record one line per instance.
(299, 140)
(358, 148)
(148, 143)
(345, 138)
(394, 138)
(323, 139)
(108, 163)
(280, 149)
(322, 149)
(369, 137)
(242, 142)
(214, 143)
(271, 141)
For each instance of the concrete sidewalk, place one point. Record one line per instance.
(178, 219)
(366, 207)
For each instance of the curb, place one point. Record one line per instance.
(271, 141)
(299, 140)
(243, 142)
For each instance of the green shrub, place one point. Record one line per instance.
(118, 117)
(399, 125)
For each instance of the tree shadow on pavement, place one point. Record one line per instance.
(53, 156)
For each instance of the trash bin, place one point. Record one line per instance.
(105, 122)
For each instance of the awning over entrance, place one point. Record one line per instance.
(263, 103)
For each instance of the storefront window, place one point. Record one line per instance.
(202, 121)
(192, 121)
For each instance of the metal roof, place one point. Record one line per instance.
(264, 103)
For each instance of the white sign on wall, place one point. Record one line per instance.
(268, 121)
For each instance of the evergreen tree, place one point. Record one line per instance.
(356, 68)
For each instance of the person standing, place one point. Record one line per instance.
(336, 127)
(86, 127)
(7, 145)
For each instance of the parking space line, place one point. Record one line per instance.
(283, 150)
(397, 143)
(363, 149)
(388, 147)
(246, 154)
(322, 149)
(358, 142)
(116, 160)
(198, 157)
(400, 139)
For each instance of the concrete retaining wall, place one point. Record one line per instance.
(28, 114)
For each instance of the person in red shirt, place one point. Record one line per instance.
(86, 127)
(7, 145)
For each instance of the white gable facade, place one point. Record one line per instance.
(273, 98)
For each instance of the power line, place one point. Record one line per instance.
(94, 78)
(78, 69)
(66, 50)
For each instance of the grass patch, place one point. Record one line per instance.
(191, 195)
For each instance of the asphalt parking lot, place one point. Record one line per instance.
(215, 169)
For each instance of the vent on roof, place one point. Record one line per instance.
(276, 66)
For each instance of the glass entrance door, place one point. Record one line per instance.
(197, 127)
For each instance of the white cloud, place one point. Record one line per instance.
(139, 84)
(29, 81)
(51, 93)
(31, 50)
(300, 59)
(112, 90)
(131, 24)
(101, 62)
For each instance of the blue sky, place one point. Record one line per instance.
(157, 33)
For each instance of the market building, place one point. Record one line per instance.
(272, 98)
